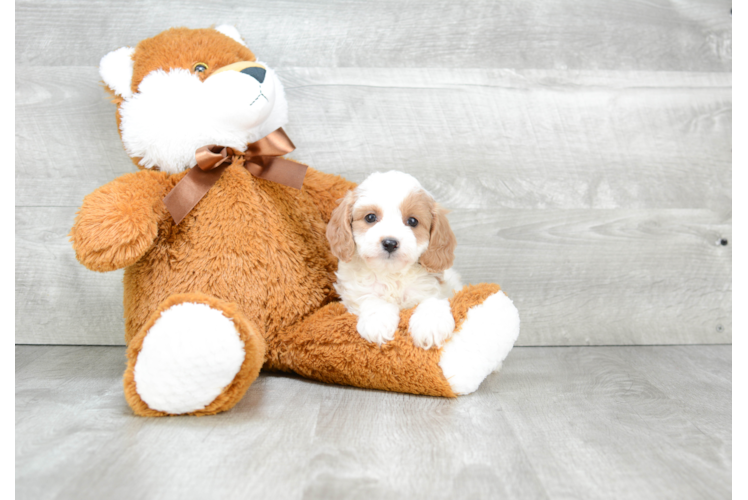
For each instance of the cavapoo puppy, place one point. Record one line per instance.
(395, 251)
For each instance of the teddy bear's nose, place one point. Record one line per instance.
(255, 72)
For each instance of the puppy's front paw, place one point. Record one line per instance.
(379, 325)
(432, 323)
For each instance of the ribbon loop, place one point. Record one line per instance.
(262, 159)
(275, 144)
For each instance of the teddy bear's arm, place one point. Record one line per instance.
(326, 190)
(118, 222)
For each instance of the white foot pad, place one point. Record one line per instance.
(486, 337)
(189, 356)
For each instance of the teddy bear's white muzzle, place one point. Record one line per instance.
(174, 113)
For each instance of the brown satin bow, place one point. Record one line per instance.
(262, 159)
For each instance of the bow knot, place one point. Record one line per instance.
(262, 159)
(213, 156)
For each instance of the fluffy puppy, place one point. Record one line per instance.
(395, 251)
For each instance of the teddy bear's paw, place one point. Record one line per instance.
(379, 324)
(432, 323)
(189, 355)
(480, 344)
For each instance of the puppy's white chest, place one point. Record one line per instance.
(404, 290)
(400, 291)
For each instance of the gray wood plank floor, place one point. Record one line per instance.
(583, 146)
(556, 422)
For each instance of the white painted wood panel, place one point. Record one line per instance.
(479, 139)
(578, 277)
(58, 301)
(738, 180)
(584, 147)
(688, 35)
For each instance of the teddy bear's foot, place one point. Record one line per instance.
(484, 335)
(196, 355)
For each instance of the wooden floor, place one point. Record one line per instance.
(557, 422)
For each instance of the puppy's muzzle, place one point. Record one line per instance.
(390, 245)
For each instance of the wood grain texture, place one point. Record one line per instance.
(477, 138)
(578, 277)
(690, 35)
(738, 242)
(58, 301)
(597, 277)
(738, 186)
(738, 43)
(584, 147)
(604, 422)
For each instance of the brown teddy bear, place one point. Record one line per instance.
(227, 267)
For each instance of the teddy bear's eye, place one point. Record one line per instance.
(370, 218)
(200, 67)
(412, 221)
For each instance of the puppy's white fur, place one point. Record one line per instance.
(375, 284)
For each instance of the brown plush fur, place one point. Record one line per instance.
(183, 48)
(327, 348)
(121, 220)
(255, 250)
(254, 348)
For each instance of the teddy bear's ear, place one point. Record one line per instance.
(115, 69)
(230, 32)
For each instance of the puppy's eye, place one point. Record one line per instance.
(370, 218)
(412, 222)
(200, 67)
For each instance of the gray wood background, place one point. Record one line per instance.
(584, 146)
(738, 182)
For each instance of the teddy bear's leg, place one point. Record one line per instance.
(326, 346)
(486, 327)
(195, 355)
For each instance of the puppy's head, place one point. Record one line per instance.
(391, 222)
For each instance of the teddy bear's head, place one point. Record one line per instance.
(187, 88)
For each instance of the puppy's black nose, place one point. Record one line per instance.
(255, 72)
(390, 245)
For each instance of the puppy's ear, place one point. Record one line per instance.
(440, 253)
(339, 232)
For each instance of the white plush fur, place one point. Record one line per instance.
(174, 113)
(375, 285)
(189, 356)
(115, 69)
(231, 32)
(481, 345)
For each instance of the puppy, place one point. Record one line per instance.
(395, 251)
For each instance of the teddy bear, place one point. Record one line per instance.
(227, 268)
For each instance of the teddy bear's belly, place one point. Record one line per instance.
(248, 241)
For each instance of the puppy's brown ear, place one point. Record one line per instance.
(339, 232)
(440, 253)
